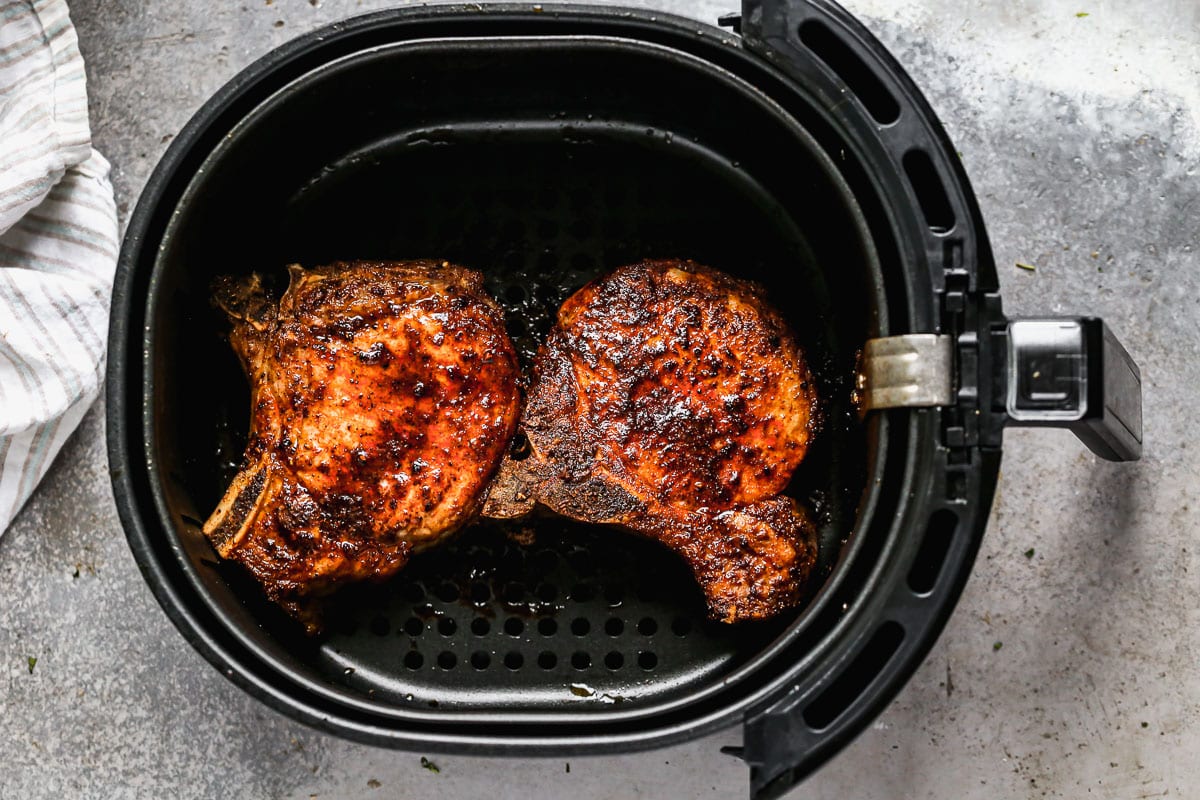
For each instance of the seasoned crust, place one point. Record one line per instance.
(384, 395)
(691, 383)
(672, 400)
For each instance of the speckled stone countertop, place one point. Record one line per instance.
(1070, 672)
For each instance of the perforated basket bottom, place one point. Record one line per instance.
(583, 615)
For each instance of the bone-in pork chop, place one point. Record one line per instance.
(383, 397)
(672, 400)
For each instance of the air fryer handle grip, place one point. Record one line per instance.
(1073, 373)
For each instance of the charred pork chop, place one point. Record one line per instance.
(383, 396)
(671, 400)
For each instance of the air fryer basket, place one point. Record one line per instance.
(542, 174)
(544, 146)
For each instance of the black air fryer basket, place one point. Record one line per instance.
(544, 145)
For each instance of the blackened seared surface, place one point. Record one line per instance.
(691, 382)
(401, 402)
(384, 396)
(752, 561)
(671, 399)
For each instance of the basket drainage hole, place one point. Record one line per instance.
(681, 626)
(647, 660)
(872, 660)
(414, 626)
(614, 627)
(412, 592)
(614, 595)
(582, 592)
(545, 561)
(581, 660)
(480, 626)
(381, 626)
(480, 593)
(447, 592)
(614, 661)
(580, 626)
(446, 659)
(547, 626)
(513, 592)
(858, 77)
(547, 660)
(546, 592)
(939, 535)
(581, 562)
(414, 660)
(515, 293)
(514, 626)
(931, 194)
(446, 626)
(514, 660)
(480, 660)
(647, 627)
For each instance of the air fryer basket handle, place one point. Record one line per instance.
(1073, 373)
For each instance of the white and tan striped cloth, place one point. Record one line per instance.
(58, 245)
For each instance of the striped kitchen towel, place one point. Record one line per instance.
(58, 245)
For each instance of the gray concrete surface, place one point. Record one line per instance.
(1082, 136)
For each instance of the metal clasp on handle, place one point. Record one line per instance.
(911, 371)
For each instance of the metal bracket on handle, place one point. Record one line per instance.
(910, 371)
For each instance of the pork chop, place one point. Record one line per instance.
(673, 401)
(383, 396)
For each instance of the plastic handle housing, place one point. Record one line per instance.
(1073, 373)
